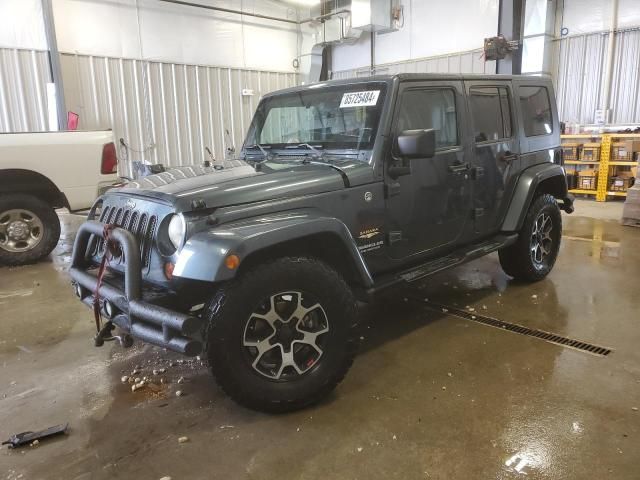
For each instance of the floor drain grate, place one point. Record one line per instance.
(522, 330)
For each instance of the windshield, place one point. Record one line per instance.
(340, 117)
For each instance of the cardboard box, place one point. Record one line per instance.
(619, 184)
(571, 151)
(631, 209)
(588, 179)
(587, 172)
(590, 152)
(625, 151)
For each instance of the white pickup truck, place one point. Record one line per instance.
(40, 172)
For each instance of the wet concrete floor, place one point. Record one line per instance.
(431, 396)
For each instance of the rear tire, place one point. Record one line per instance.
(282, 335)
(533, 255)
(29, 229)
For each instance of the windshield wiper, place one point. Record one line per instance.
(267, 155)
(316, 153)
(257, 145)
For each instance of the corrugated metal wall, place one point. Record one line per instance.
(625, 93)
(24, 75)
(166, 112)
(460, 62)
(579, 79)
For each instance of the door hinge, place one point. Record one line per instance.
(477, 172)
(478, 212)
(394, 237)
(391, 189)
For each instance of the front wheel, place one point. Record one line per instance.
(533, 255)
(29, 229)
(282, 335)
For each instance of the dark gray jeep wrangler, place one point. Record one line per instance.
(342, 188)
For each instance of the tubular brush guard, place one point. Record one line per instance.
(143, 320)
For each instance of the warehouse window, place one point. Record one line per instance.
(433, 108)
(536, 111)
(491, 113)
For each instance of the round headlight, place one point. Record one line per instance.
(177, 230)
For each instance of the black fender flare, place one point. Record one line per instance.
(203, 255)
(525, 189)
(29, 182)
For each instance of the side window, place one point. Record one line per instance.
(491, 113)
(536, 111)
(432, 108)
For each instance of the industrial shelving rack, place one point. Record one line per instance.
(602, 190)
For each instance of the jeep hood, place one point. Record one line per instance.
(240, 183)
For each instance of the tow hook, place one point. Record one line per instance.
(104, 335)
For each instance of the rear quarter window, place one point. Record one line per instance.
(536, 110)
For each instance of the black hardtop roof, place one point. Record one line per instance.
(389, 79)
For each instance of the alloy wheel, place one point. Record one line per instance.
(283, 338)
(541, 240)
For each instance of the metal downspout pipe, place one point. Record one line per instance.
(256, 15)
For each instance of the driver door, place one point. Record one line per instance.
(429, 208)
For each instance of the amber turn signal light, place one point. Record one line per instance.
(168, 270)
(232, 261)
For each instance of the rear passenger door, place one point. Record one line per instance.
(496, 149)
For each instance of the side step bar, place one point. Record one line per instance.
(433, 266)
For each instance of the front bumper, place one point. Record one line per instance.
(140, 316)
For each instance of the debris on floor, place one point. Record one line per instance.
(33, 438)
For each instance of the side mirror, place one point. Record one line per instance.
(417, 143)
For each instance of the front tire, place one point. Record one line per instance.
(282, 335)
(534, 254)
(29, 229)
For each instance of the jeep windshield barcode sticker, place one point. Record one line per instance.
(359, 99)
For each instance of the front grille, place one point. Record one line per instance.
(142, 225)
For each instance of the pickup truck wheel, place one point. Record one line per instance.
(29, 229)
(533, 255)
(283, 335)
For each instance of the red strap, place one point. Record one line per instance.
(109, 245)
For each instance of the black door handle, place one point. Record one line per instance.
(459, 168)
